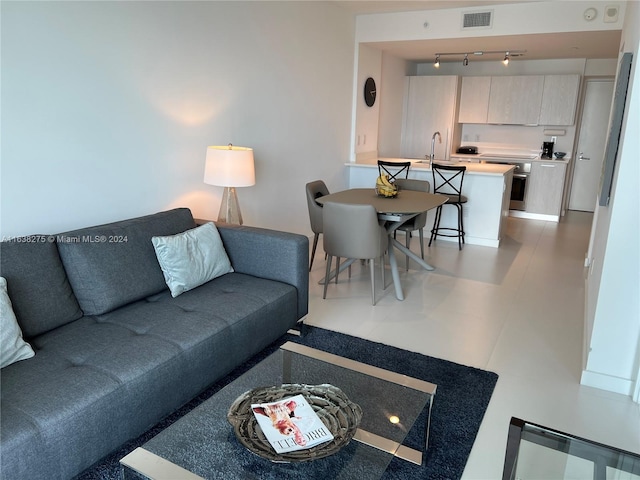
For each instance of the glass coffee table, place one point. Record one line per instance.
(541, 453)
(202, 444)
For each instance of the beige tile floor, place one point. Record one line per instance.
(516, 310)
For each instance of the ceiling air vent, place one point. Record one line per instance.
(477, 19)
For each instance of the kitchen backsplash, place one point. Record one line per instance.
(514, 137)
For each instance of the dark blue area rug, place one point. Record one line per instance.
(461, 400)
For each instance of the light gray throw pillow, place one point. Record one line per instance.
(191, 258)
(12, 346)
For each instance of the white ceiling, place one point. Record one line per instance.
(389, 6)
(601, 44)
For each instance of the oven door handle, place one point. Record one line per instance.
(520, 175)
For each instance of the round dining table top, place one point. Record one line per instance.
(406, 202)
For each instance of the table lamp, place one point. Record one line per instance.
(229, 167)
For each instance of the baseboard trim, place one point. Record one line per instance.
(534, 216)
(623, 386)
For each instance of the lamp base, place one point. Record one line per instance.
(230, 208)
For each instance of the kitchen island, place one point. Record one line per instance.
(487, 186)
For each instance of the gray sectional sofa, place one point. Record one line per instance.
(114, 351)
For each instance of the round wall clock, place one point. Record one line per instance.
(370, 92)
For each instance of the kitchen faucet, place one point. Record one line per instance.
(433, 147)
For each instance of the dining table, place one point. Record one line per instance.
(394, 211)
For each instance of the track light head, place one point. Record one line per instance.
(437, 62)
(506, 58)
(465, 62)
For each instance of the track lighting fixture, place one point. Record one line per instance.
(465, 61)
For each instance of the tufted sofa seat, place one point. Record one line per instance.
(99, 379)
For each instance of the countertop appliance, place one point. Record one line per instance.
(467, 150)
(547, 150)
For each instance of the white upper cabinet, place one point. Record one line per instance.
(515, 100)
(559, 99)
(474, 99)
(520, 99)
(429, 107)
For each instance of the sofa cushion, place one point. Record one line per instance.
(114, 264)
(40, 293)
(12, 347)
(104, 379)
(191, 258)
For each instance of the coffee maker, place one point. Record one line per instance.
(547, 150)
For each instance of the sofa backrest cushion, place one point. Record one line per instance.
(38, 287)
(114, 264)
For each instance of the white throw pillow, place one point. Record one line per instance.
(191, 258)
(12, 346)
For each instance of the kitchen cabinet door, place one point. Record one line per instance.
(515, 100)
(429, 107)
(545, 188)
(474, 100)
(559, 99)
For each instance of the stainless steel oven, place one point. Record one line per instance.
(519, 185)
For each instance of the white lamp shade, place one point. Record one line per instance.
(229, 166)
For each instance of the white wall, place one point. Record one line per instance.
(394, 71)
(108, 107)
(518, 18)
(614, 277)
(366, 132)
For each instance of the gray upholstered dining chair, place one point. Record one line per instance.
(353, 231)
(419, 221)
(315, 190)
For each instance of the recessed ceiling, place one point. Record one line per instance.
(598, 44)
(602, 44)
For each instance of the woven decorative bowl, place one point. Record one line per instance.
(340, 415)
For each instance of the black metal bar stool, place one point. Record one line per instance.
(447, 181)
(401, 169)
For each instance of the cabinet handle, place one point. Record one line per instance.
(548, 165)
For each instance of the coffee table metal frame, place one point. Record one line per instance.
(540, 446)
(150, 465)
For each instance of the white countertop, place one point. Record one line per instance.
(472, 168)
(493, 156)
(461, 157)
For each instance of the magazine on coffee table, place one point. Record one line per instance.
(291, 424)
